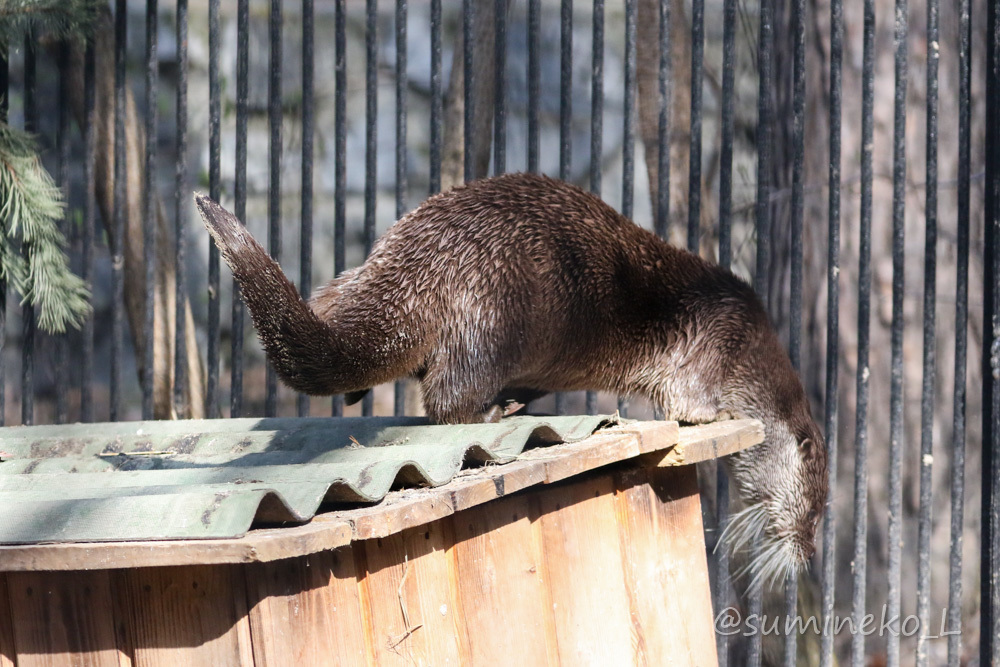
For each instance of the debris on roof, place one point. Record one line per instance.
(214, 478)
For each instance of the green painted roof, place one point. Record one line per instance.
(161, 480)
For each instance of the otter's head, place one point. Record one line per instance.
(782, 482)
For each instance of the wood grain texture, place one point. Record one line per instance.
(304, 612)
(517, 475)
(262, 545)
(62, 618)
(348, 635)
(501, 591)
(584, 570)
(652, 436)
(665, 566)
(603, 448)
(123, 628)
(360, 562)
(472, 491)
(408, 591)
(412, 508)
(710, 441)
(7, 654)
(241, 612)
(193, 615)
(685, 567)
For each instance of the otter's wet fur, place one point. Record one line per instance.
(524, 283)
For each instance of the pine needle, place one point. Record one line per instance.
(32, 248)
(59, 19)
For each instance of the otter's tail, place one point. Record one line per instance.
(302, 348)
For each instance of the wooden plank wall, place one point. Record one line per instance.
(606, 568)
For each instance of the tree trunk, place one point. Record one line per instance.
(484, 89)
(164, 325)
(678, 101)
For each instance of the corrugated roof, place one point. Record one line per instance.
(214, 478)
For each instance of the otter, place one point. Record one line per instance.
(522, 284)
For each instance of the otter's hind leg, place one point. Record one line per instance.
(449, 399)
(352, 397)
(512, 400)
(460, 384)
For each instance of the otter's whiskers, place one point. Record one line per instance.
(771, 558)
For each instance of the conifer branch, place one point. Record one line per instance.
(59, 19)
(32, 248)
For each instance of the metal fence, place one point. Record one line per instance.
(71, 358)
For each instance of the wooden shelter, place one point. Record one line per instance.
(584, 553)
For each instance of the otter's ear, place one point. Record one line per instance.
(806, 446)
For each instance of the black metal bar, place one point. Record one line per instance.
(28, 310)
(149, 209)
(240, 191)
(762, 222)
(437, 99)
(791, 608)
(371, 146)
(989, 619)
(721, 594)
(401, 88)
(694, 170)
(597, 99)
(929, 367)
(754, 610)
(798, 171)
(340, 148)
(500, 83)
(215, 192)
(534, 80)
(371, 116)
(628, 113)
(274, 117)
(120, 214)
(469, 153)
(565, 88)
(399, 391)
(896, 336)
(628, 134)
(726, 150)
(63, 140)
(795, 295)
(308, 100)
(762, 210)
(722, 580)
(721, 563)
(831, 407)
(596, 128)
(961, 337)
(86, 238)
(663, 136)
(860, 560)
(4, 86)
(565, 117)
(181, 203)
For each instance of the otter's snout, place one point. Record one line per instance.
(783, 486)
